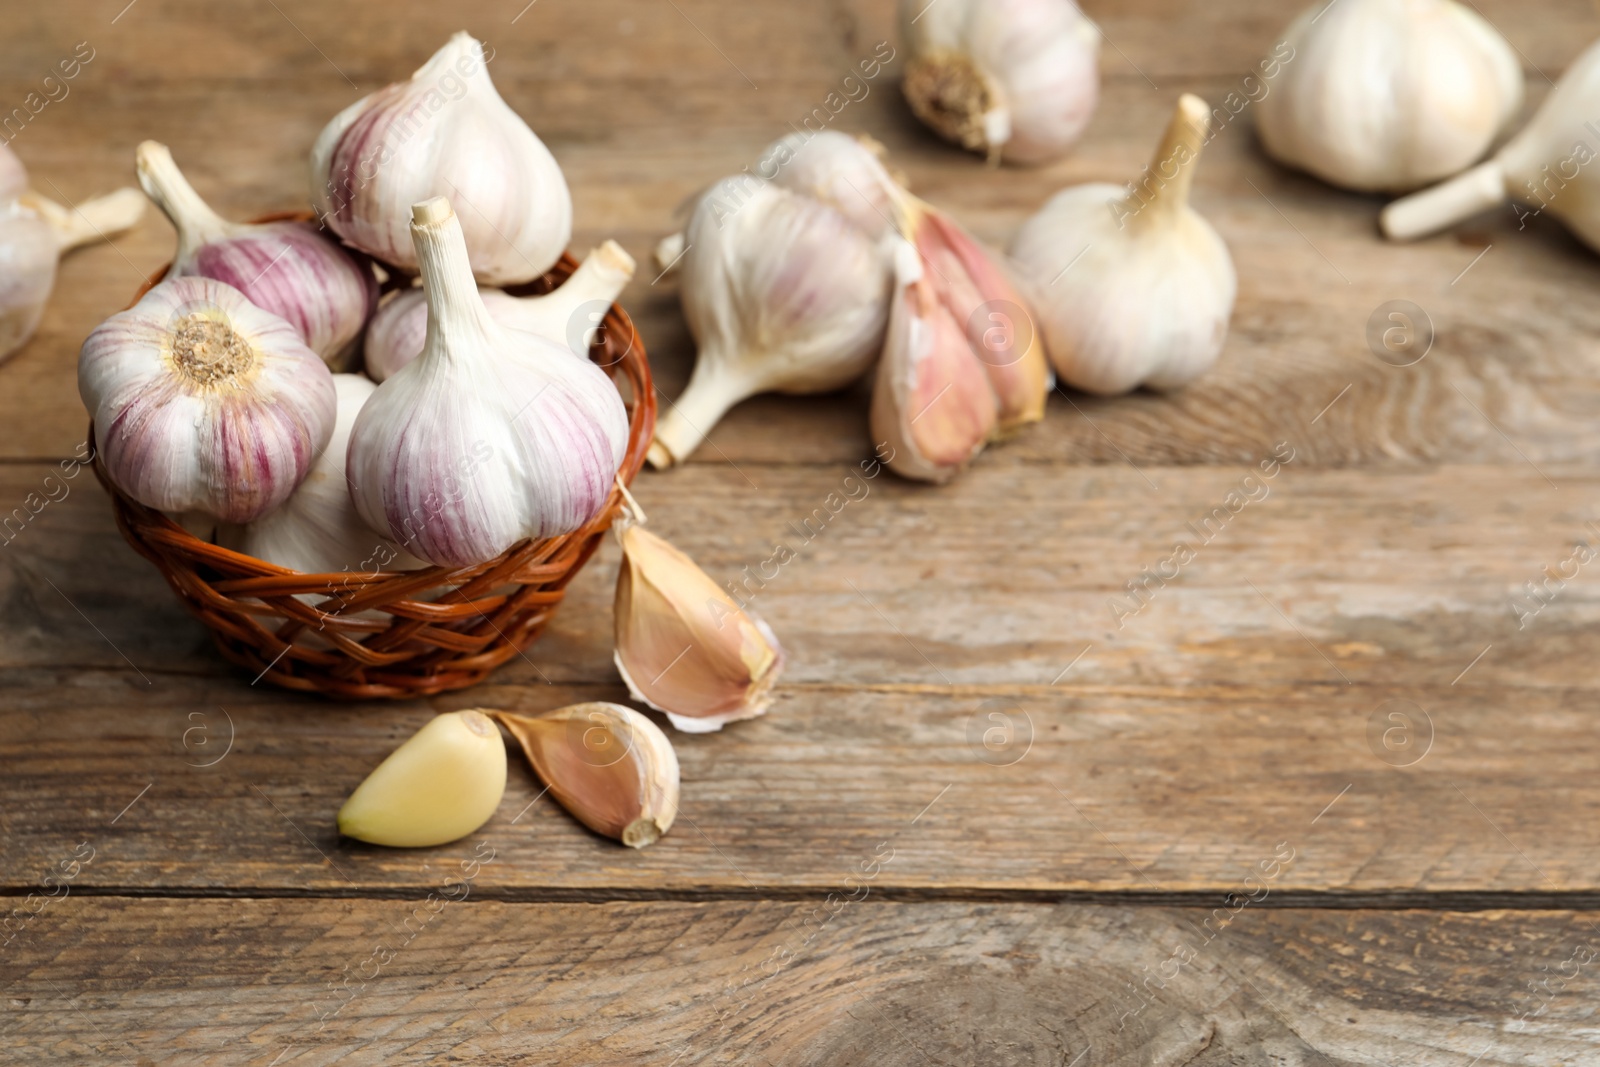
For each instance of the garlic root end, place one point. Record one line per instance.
(1445, 204)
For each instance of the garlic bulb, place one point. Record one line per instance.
(317, 530)
(287, 268)
(1387, 95)
(1149, 303)
(683, 646)
(204, 402)
(442, 784)
(570, 314)
(1015, 79)
(445, 132)
(782, 293)
(843, 172)
(490, 436)
(610, 766)
(34, 234)
(1546, 166)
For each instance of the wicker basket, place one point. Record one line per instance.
(483, 615)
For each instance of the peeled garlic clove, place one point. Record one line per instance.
(445, 132)
(204, 402)
(442, 784)
(570, 314)
(682, 645)
(1382, 95)
(287, 268)
(782, 293)
(1014, 79)
(1546, 166)
(490, 436)
(1133, 287)
(608, 765)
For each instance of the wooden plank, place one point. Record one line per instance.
(318, 982)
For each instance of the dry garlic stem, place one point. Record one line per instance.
(608, 765)
(441, 785)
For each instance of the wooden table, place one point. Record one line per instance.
(1201, 836)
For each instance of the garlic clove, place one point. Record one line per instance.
(438, 787)
(1379, 96)
(491, 436)
(782, 293)
(608, 765)
(932, 402)
(1014, 79)
(287, 268)
(569, 314)
(1133, 287)
(682, 645)
(446, 131)
(204, 402)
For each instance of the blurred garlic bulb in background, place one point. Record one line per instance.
(491, 435)
(287, 268)
(843, 172)
(1388, 95)
(34, 234)
(1547, 166)
(1150, 300)
(445, 132)
(569, 314)
(782, 293)
(204, 402)
(317, 530)
(1014, 79)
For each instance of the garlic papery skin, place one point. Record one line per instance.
(843, 172)
(683, 646)
(317, 530)
(1132, 287)
(491, 436)
(1014, 79)
(570, 314)
(445, 132)
(608, 765)
(287, 268)
(204, 402)
(1387, 95)
(782, 293)
(442, 784)
(1547, 166)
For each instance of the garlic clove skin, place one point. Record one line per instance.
(491, 436)
(442, 784)
(608, 765)
(682, 645)
(1017, 80)
(1133, 288)
(287, 268)
(1387, 95)
(445, 132)
(782, 293)
(569, 314)
(843, 172)
(204, 402)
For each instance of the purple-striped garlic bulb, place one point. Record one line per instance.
(571, 314)
(491, 435)
(444, 132)
(203, 402)
(287, 268)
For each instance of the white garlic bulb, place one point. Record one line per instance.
(1387, 95)
(490, 436)
(1132, 287)
(317, 530)
(782, 293)
(843, 172)
(445, 132)
(1015, 79)
(1547, 166)
(204, 402)
(570, 314)
(287, 268)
